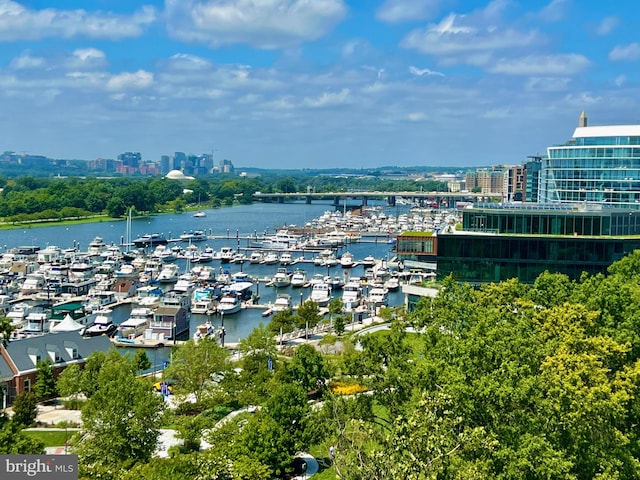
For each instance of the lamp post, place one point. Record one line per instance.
(222, 329)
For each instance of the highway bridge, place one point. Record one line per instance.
(425, 199)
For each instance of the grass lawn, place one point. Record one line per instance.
(55, 438)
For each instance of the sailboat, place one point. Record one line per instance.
(199, 213)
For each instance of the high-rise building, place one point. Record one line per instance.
(599, 165)
(130, 159)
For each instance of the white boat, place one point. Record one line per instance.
(346, 260)
(169, 273)
(36, 322)
(352, 294)
(102, 325)
(226, 254)
(200, 214)
(270, 258)
(193, 236)
(299, 278)
(207, 255)
(164, 254)
(330, 261)
(285, 259)
(229, 304)
(282, 278)
(99, 299)
(378, 296)
(282, 303)
(137, 323)
(368, 261)
(320, 294)
(392, 283)
(256, 257)
(126, 270)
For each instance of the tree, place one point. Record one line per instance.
(141, 361)
(6, 330)
(193, 365)
(13, 441)
(307, 368)
(339, 324)
(308, 315)
(45, 386)
(121, 418)
(69, 381)
(335, 307)
(25, 409)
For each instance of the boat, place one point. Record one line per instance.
(299, 278)
(392, 283)
(378, 296)
(271, 258)
(242, 290)
(98, 300)
(352, 294)
(169, 273)
(256, 257)
(282, 303)
(102, 325)
(37, 321)
(285, 259)
(229, 304)
(199, 214)
(164, 254)
(282, 278)
(194, 236)
(320, 294)
(368, 261)
(346, 260)
(226, 254)
(207, 255)
(150, 240)
(336, 283)
(137, 323)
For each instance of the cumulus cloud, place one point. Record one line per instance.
(18, 22)
(26, 62)
(550, 65)
(629, 53)
(329, 99)
(424, 71)
(554, 11)
(130, 80)
(606, 25)
(266, 24)
(456, 35)
(395, 11)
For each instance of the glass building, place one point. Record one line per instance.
(600, 164)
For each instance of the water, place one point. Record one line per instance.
(235, 224)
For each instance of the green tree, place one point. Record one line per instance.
(308, 315)
(121, 419)
(141, 361)
(45, 386)
(25, 409)
(69, 381)
(13, 441)
(307, 368)
(6, 330)
(335, 307)
(193, 365)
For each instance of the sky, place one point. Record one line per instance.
(314, 83)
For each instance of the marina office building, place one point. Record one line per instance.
(588, 216)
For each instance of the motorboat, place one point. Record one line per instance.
(320, 294)
(98, 300)
(282, 278)
(229, 304)
(282, 303)
(199, 214)
(336, 283)
(37, 321)
(150, 240)
(392, 283)
(368, 261)
(169, 273)
(271, 258)
(193, 236)
(286, 259)
(207, 255)
(164, 254)
(346, 260)
(256, 257)
(102, 325)
(378, 296)
(299, 278)
(352, 294)
(226, 254)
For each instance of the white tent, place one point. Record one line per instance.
(67, 325)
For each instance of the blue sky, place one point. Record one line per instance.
(314, 83)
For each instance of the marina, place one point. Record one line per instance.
(246, 278)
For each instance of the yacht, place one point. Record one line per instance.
(150, 240)
(270, 258)
(282, 278)
(199, 214)
(299, 278)
(256, 257)
(99, 299)
(352, 294)
(202, 301)
(282, 303)
(18, 313)
(392, 283)
(37, 321)
(164, 254)
(229, 304)
(207, 255)
(378, 296)
(193, 236)
(169, 273)
(320, 294)
(368, 261)
(285, 259)
(346, 260)
(102, 325)
(226, 254)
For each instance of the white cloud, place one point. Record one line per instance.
(547, 84)
(395, 11)
(629, 53)
(416, 116)
(606, 26)
(26, 62)
(550, 65)
(128, 80)
(21, 23)
(329, 99)
(424, 71)
(554, 11)
(265, 24)
(620, 80)
(457, 35)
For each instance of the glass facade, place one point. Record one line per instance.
(603, 168)
(481, 259)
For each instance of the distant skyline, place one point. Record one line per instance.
(314, 83)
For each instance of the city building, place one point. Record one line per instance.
(599, 165)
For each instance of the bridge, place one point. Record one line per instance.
(424, 199)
